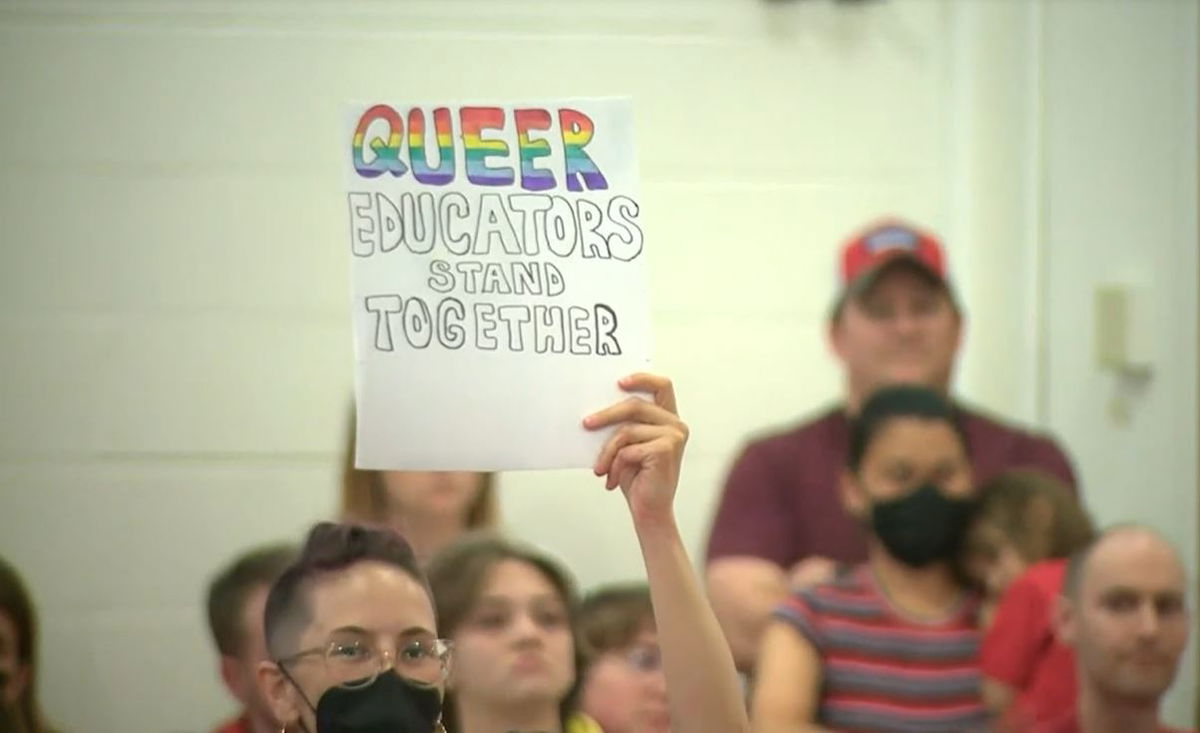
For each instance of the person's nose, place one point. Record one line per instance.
(993, 579)
(1148, 621)
(656, 685)
(906, 322)
(387, 656)
(526, 629)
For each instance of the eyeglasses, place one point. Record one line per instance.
(353, 659)
(644, 658)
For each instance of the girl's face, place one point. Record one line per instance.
(516, 644)
(624, 689)
(992, 560)
(906, 453)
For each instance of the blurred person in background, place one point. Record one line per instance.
(891, 645)
(623, 688)
(510, 613)
(18, 656)
(236, 599)
(1023, 529)
(780, 524)
(1124, 611)
(430, 509)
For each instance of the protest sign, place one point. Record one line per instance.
(499, 286)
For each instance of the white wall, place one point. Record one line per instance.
(173, 283)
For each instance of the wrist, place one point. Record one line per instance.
(649, 524)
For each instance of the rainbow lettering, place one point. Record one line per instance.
(477, 150)
(577, 130)
(444, 173)
(387, 154)
(532, 177)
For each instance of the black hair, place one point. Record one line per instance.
(889, 403)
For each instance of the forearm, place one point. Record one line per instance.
(997, 696)
(702, 686)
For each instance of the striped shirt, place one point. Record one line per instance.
(883, 672)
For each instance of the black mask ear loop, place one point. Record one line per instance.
(303, 697)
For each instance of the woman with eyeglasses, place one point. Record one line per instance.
(354, 638)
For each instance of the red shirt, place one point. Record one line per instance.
(1021, 650)
(239, 725)
(781, 499)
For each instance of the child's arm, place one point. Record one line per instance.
(1012, 644)
(787, 682)
(997, 696)
(643, 457)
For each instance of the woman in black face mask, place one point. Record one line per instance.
(890, 645)
(351, 628)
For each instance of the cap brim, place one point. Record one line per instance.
(867, 280)
(862, 284)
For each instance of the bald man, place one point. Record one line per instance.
(1124, 611)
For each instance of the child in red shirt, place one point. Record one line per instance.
(1027, 524)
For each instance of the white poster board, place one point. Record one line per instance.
(499, 286)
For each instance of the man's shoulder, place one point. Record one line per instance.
(979, 420)
(815, 428)
(1012, 437)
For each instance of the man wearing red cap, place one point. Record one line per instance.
(780, 523)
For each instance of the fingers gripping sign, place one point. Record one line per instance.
(644, 453)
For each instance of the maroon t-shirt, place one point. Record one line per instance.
(781, 500)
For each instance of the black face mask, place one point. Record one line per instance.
(922, 527)
(390, 704)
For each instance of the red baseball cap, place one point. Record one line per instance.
(883, 244)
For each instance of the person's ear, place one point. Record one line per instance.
(960, 327)
(853, 498)
(1065, 620)
(281, 695)
(835, 335)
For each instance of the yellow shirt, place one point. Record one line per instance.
(580, 723)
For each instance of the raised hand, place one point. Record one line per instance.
(644, 453)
